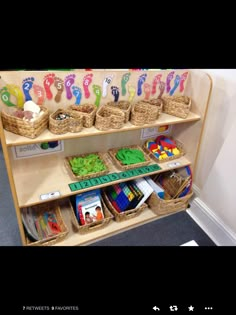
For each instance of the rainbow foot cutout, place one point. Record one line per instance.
(161, 88)
(176, 84)
(40, 93)
(27, 86)
(182, 80)
(168, 80)
(5, 97)
(69, 81)
(115, 92)
(147, 90)
(155, 81)
(16, 91)
(105, 84)
(86, 82)
(76, 91)
(124, 80)
(98, 92)
(59, 85)
(141, 80)
(131, 90)
(48, 81)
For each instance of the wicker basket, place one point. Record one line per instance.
(23, 127)
(125, 215)
(72, 124)
(87, 228)
(178, 106)
(179, 145)
(124, 167)
(143, 113)
(109, 117)
(53, 239)
(125, 106)
(82, 177)
(162, 206)
(87, 111)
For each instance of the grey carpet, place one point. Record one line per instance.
(173, 230)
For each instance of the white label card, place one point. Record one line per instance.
(50, 195)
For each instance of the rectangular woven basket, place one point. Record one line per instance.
(178, 106)
(125, 215)
(109, 117)
(72, 124)
(179, 145)
(162, 206)
(123, 167)
(87, 111)
(53, 239)
(97, 225)
(23, 127)
(102, 156)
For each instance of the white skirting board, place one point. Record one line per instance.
(212, 225)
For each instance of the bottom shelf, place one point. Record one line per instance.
(75, 239)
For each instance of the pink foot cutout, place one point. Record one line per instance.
(40, 93)
(69, 81)
(86, 82)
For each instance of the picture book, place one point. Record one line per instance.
(89, 207)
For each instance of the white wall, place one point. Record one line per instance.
(215, 174)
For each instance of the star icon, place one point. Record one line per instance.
(190, 308)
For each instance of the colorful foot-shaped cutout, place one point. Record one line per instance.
(115, 92)
(124, 80)
(168, 80)
(5, 97)
(141, 80)
(69, 81)
(132, 91)
(16, 91)
(105, 84)
(86, 82)
(98, 92)
(59, 85)
(183, 78)
(161, 88)
(40, 93)
(176, 84)
(155, 81)
(147, 90)
(27, 86)
(48, 81)
(76, 91)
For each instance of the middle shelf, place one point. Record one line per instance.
(42, 175)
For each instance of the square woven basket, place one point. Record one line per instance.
(123, 167)
(23, 127)
(125, 215)
(87, 111)
(53, 239)
(97, 225)
(102, 157)
(178, 106)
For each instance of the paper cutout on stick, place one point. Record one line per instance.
(124, 80)
(115, 92)
(69, 81)
(105, 84)
(98, 93)
(5, 97)
(131, 90)
(141, 80)
(27, 86)
(16, 91)
(176, 84)
(48, 81)
(86, 82)
(156, 81)
(77, 92)
(59, 85)
(147, 90)
(161, 88)
(182, 81)
(40, 93)
(168, 80)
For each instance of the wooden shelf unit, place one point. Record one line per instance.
(30, 178)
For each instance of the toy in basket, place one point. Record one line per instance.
(86, 166)
(87, 111)
(43, 224)
(63, 121)
(29, 121)
(129, 157)
(163, 149)
(178, 106)
(177, 192)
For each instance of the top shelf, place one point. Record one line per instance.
(164, 119)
